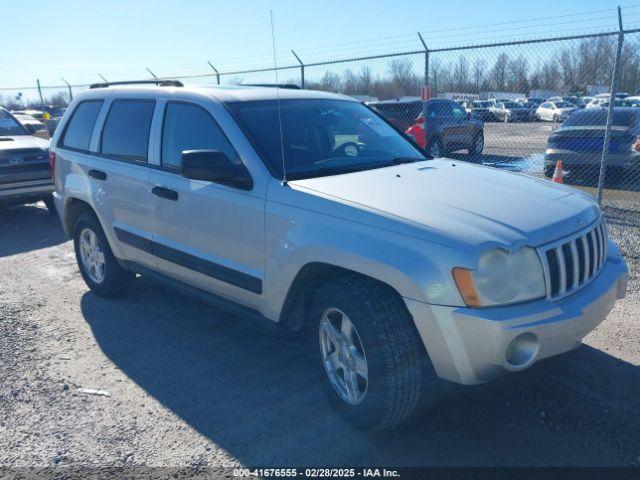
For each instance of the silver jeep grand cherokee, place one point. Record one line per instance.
(308, 210)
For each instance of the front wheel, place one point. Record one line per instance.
(98, 266)
(435, 149)
(373, 360)
(50, 204)
(475, 151)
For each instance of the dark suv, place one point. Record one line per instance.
(448, 128)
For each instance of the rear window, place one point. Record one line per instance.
(593, 117)
(80, 128)
(126, 130)
(9, 125)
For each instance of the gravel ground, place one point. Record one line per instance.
(181, 384)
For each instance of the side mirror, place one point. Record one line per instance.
(214, 166)
(44, 134)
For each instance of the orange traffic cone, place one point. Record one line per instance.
(557, 173)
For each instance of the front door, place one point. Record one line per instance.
(206, 234)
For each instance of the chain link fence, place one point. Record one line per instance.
(538, 107)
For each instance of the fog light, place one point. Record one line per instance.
(522, 350)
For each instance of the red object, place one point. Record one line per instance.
(417, 132)
(557, 173)
(636, 145)
(52, 163)
(425, 92)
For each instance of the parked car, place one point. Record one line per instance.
(575, 101)
(510, 112)
(24, 165)
(580, 139)
(555, 111)
(401, 113)
(603, 103)
(448, 128)
(33, 126)
(308, 211)
(479, 109)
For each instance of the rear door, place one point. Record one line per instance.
(208, 235)
(119, 176)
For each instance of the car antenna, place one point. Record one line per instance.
(275, 70)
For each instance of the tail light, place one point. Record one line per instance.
(52, 163)
(636, 145)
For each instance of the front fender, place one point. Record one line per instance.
(416, 269)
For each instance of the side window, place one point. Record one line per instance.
(439, 109)
(78, 133)
(126, 130)
(190, 127)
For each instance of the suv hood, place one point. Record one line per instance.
(450, 199)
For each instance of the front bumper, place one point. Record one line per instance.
(471, 346)
(571, 158)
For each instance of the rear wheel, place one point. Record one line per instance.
(374, 363)
(98, 266)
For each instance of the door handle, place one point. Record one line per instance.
(164, 192)
(98, 174)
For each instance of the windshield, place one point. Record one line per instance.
(482, 104)
(563, 105)
(512, 105)
(9, 126)
(322, 137)
(593, 117)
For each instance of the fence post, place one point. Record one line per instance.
(301, 69)
(607, 131)
(40, 93)
(215, 70)
(70, 91)
(426, 59)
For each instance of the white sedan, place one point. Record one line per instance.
(555, 111)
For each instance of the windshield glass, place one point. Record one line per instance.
(512, 105)
(482, 104)
(322, 137)
(9, 126)
(563, 105)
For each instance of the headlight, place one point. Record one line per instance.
(502, 278)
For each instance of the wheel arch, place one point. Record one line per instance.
(301, 292)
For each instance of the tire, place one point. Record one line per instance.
(475, 151)
(50, 204)
(115, 280)
(397, 365)
(548, 170)
(435, 149)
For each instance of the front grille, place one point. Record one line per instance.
(573, 262)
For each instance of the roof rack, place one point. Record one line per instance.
(160, 83)
(289, 86)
